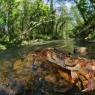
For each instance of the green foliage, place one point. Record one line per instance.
(87, 12)
(26, 20)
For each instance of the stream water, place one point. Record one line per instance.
(67, 45)
(7, 57)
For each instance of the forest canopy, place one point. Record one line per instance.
(27, 20)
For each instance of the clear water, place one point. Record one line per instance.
(9, 56)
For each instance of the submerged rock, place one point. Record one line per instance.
(41, 73)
